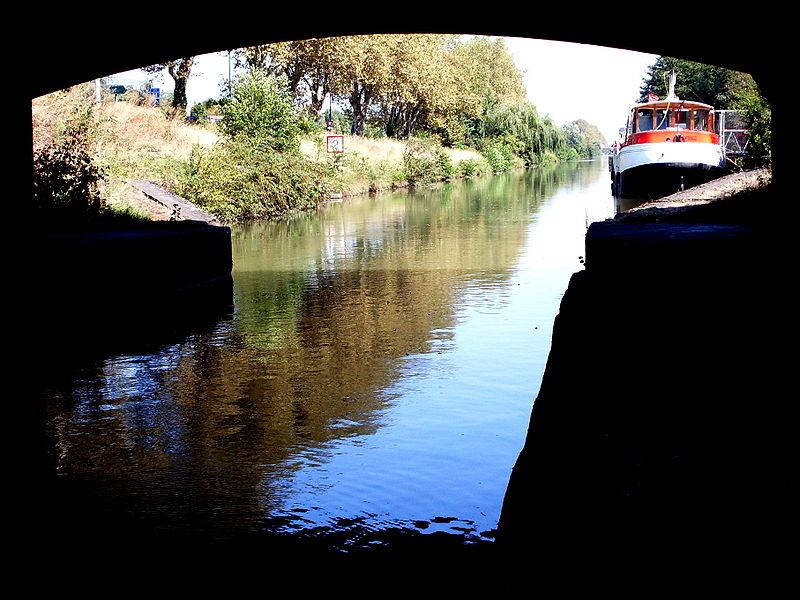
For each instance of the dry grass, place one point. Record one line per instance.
(120, 126)
(144, 129)
(375, 150)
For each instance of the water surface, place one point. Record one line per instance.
(376, 371)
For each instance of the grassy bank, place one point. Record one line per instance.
(128, 141)
(369, 164)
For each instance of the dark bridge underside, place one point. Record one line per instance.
(644, 395)
(67, 47)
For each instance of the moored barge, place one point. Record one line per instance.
(669, 145)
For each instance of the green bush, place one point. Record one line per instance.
(66, 179)
(444, 165)
(547, 158)
(499, 156)
(424, 161)
(260, 108)
(472, 167)
(758, 113)
(238, 180)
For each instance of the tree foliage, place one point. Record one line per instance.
(758, 115)
(699, 82)
(260, 108)
(491, 75)
(584, 137)
(418, 83)
(519, 127)
(402, 81)
(310, 67)
(485, 76)
(466, 92)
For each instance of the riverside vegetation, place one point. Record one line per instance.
(423, 118)
(84, 154)
(421, 109)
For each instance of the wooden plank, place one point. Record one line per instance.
(184, 210)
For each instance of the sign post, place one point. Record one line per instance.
(117, 90)
(335, 144)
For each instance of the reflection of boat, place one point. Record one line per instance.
(669, 145)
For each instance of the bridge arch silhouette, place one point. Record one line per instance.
(65, 50)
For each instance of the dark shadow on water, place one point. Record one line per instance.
(74, 331)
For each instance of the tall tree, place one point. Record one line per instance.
(311, 67)
(365, 71)
(488, 79)
(423, 82)
(180, 70)
(520, 127)
(695, 81)
(492, 74)
(350, 68)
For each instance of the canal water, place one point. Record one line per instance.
(375, 372)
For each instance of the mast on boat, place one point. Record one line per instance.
(671, 97)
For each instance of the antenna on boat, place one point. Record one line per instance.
(671, 94)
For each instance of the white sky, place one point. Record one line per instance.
(208, 71)
(569, 81)
(565, 81)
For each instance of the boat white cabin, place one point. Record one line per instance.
(668, 145)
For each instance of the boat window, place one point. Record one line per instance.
(663, 117)
(644, 119)
(701, 120)
(682, 119)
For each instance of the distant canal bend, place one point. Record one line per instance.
(376, 371)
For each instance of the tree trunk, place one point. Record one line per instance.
(318, 88)
(411, 121)
(360, 98)
(179, 71)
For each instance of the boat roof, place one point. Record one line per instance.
(672, 103)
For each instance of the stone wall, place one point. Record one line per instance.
(660, 433)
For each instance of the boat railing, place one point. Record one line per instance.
(734, 135)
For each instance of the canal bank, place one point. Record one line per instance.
(659, 436)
